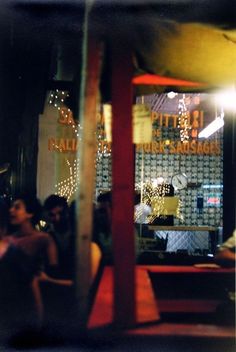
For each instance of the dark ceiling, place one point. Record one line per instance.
(183, 39)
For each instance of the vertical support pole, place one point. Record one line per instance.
(229, 176)
(87, 155)
(123, 188)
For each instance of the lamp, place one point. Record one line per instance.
(214, 126)
(227, 99)
(171, 95)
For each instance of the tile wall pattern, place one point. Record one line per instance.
(204, 170)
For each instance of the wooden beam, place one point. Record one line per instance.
(123, 188)
(87, 156)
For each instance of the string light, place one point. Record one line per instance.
(154, 196)
(103, 147)
(179, 211)
(183, 120)
(56, 98)
(68, 186)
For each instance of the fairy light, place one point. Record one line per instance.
(158, 199)
(103, 147)
(183, 120)
(57, 98)
(68, 186)
(154, 196)
(179, 211)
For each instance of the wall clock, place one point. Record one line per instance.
(179, 181)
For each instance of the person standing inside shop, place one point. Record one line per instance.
(102, 226)
(59, 226)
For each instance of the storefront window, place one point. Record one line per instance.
(177, 162)
(178, 170)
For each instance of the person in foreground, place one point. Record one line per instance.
(225, 254)
(28, 258)
(23, 255)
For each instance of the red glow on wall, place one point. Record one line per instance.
(164, 81)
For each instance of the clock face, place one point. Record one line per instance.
(179, 181)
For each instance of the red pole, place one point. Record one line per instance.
(123, 188)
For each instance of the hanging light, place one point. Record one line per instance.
(171, 94)
(214, 126)
(227, 99)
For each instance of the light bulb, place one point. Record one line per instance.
(171, 95)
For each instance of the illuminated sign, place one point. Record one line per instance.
(213, 200)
